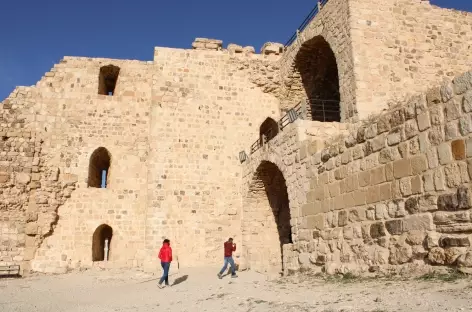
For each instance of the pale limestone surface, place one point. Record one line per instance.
(335, 196)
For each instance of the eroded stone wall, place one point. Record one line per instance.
(396, 191)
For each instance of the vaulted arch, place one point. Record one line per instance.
(317, 65)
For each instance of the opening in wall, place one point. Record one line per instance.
(318, 68)
(107, 79)
(99, 168)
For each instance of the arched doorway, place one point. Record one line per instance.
(266, 220)
(318, 69)
(268, 130)
(102, 233)
(99, 168)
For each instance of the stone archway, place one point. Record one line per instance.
(102, 233)
(266, 220)
(316, 63)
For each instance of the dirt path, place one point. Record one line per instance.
(200, 290)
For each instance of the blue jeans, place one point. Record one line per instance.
(230, 261)
(165, 275)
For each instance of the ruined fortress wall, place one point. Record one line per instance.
(205, 110)
(397, 191)
(404, 45)
(394, 192)
(74, 121)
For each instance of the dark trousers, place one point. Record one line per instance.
(165, 275)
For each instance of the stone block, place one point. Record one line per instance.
(234, 48)
(428, 203)
(364, 178)
(432, 240)
(405, 186)
(400, 254)
(447, 91)
(415, 237)
(4, 177)
(418, 222)
(448, 202)
(377, 175)
(394, 227)
(419, 164)
(411, 129)
(385, 190)
(401, 168)
(31, 229)
(453, 175)
(462, 83)
(342, 218)
(308, 209)
(373, 194)
(395, 136)
(465, 260)
(23, 178)
(433, 96)
(316, 222)
(436, 256)
(416, 185)
(424, 122)
(377, 230)
(464, 197)
(467, 102)
(465, 125)
(445, 154)
(454, 241)
(458, 149)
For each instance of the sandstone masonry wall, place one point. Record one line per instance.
(396, 191)
(404, 45)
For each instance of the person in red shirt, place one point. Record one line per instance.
(165, 254)
(229, 247)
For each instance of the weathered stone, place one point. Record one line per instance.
(400, 254)
(394, 227)
(4, 177)
(23, 178)
(447, 91)
(412, 205)
(235, 48)
(451, 255)
(432, 240)
(454, 241)
(31, 229)
(436, 256)
(377, 230)
(465, 260)
(415, 237)
(463, 83)
(272, 48)
(467, 102)
(448, 202)
(418, 222)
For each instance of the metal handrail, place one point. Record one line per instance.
(298, 111)
(306, 21)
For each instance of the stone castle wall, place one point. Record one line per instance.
(404, 46)
(174, 128)
(395, 191)
(383, 50)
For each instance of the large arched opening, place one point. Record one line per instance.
(99, 168)
(268, 130)
(266, 220)
(318, 69)
(101, 239)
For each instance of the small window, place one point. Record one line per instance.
(108, 79)
(99, 168)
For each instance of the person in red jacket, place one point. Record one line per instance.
(165, 254)
(229, 247)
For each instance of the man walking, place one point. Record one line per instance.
(229, 247)
(165, 254)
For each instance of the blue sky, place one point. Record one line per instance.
(34, 35)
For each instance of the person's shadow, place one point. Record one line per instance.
(179, 280)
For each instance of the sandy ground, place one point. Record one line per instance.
(200, 290)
